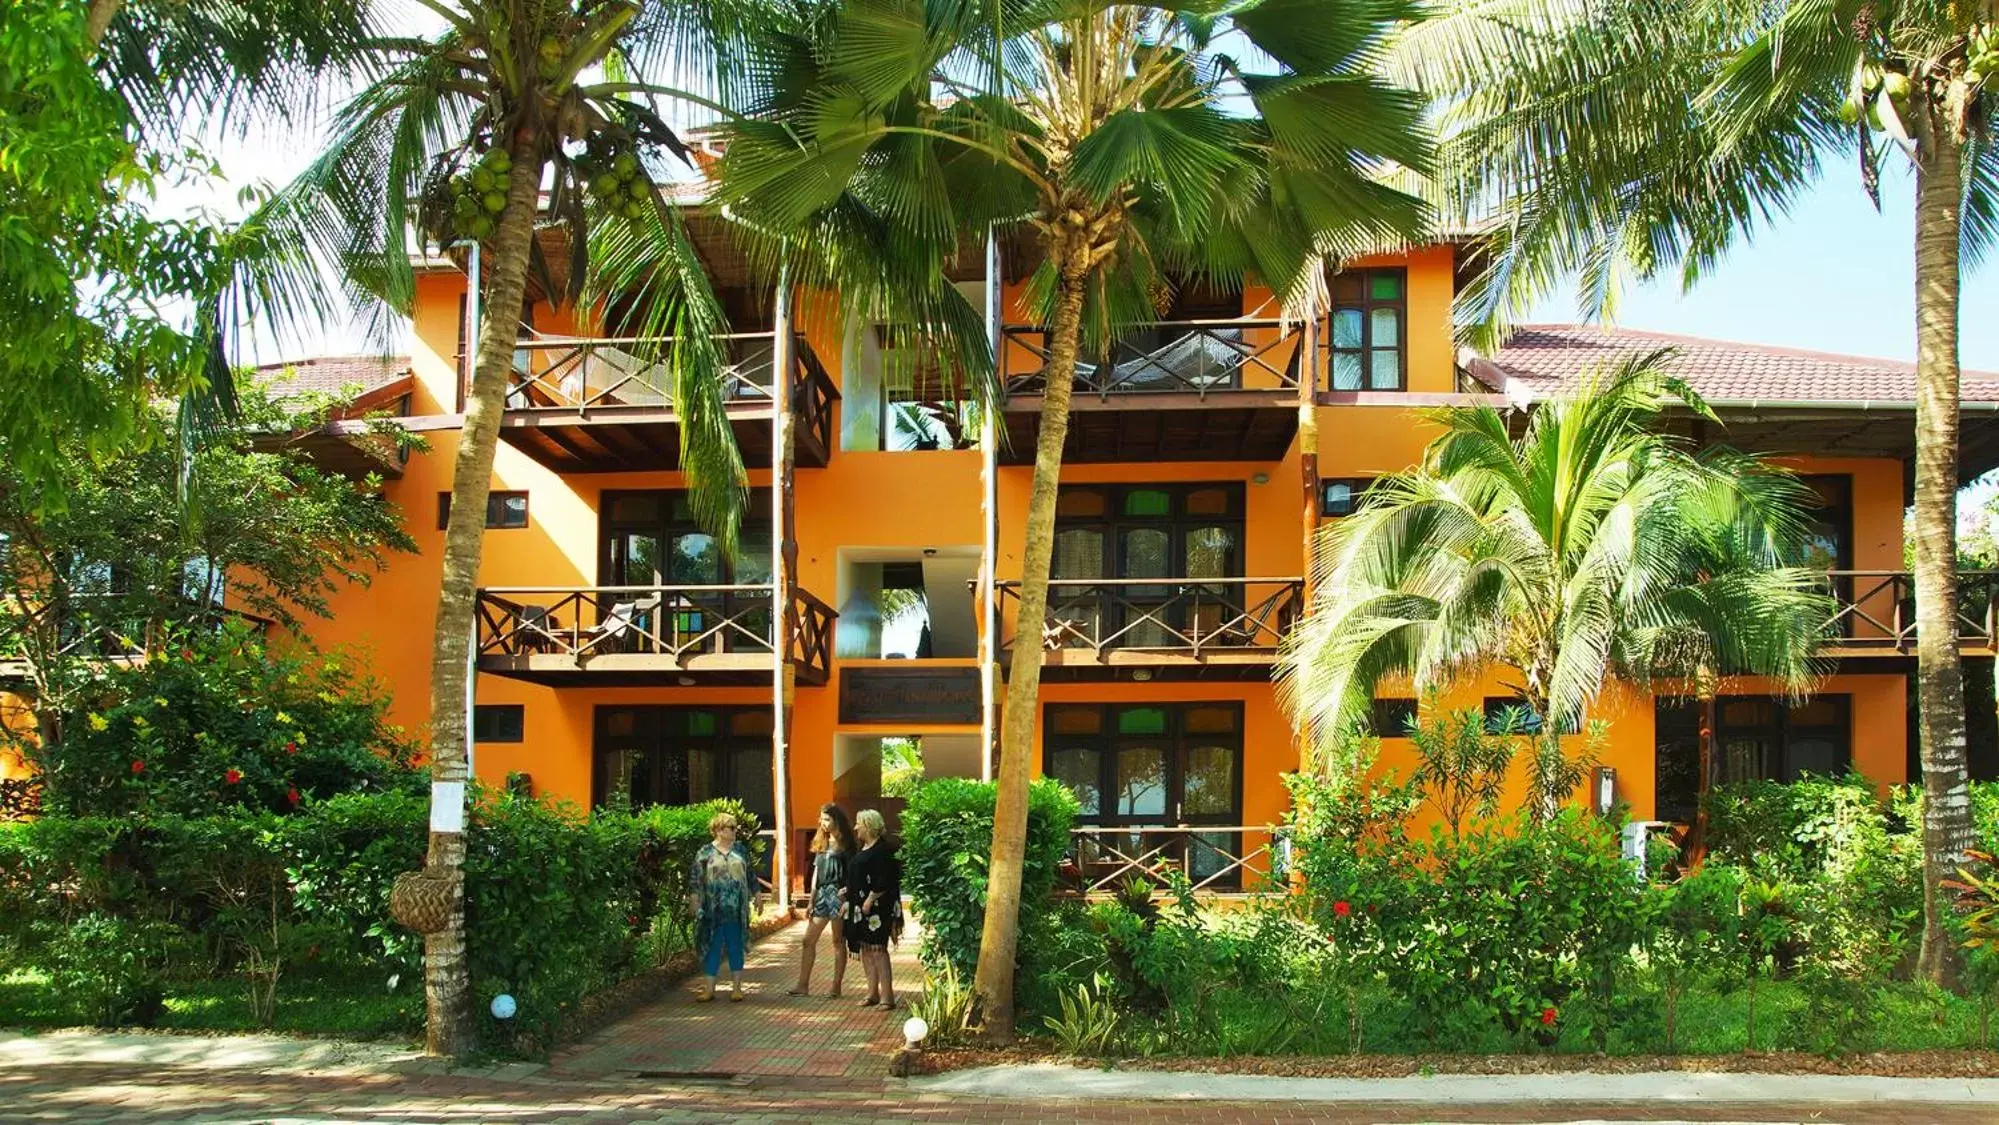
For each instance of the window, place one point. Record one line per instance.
(1153, 764)
(497, 722)
(1342, 496)
(1147, 533)
(505, 510)
(1756, 738)
(1507, 715)
(1392, 718)
(1369, 339)
(683, 756)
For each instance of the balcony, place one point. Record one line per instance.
(102, 633)
(1189, 390)
(1214, 858)
(647, 636)
(1875, 613)
(598, 406)
(1166, 628)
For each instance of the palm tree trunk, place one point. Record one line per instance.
(994, 980)
(1939, 671)
(447, 982)
(97, 20)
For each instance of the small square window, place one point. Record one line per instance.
(1342, 496)
(498, 722)
(504, 510)
(1392, 718)
(1507, 715)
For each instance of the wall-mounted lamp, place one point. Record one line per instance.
(1260, 478)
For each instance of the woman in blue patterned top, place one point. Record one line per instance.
(720, 899)
(832, 847)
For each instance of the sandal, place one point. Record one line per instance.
(870, 1002)
(798, 992)
(703, 997)
(891, 1005)
(736, 996)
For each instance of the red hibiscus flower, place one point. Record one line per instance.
(292, 795)
(1549, 1016)
(232, 776)
(187, 654)
(138, 766)
(291, 747)
(1342, 908)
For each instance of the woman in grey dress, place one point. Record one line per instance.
(832, 847)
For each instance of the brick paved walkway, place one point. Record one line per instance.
(770, 1034)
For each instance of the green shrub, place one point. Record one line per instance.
(342, 858)
(948, 838)
(223, 723)
(113, 969)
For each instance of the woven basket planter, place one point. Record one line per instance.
(421, 900)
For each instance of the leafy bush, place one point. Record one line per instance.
(948, 838)
(120, 911)
(225, 722)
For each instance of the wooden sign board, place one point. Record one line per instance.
(910, 695)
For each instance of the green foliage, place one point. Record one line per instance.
(1461, 765)
(946, 1003)
(1088, 1023)
(558, 906)
(1674, 562)
(948, 833)
(1856, 859)
(221, 721)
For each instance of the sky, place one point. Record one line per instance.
(1831, 276)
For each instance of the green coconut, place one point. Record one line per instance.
(481, 228)
(494, 202)
(1849, 112)
(625, 165)
(639, 190)
(483, 178)
(605, 186)
(498, 160)
(550, 50)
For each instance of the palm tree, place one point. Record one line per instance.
(514, 112)
(1139, 141)
(1621, 138)
(1590, 545)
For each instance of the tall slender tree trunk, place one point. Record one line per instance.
(1939, 671)
(994, 981)
(447, 983)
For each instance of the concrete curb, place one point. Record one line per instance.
(1054, 1082)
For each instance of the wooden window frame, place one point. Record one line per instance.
(496, 506)
(755, 518)
(1389, 716)
(659, 742)
(1107, 741)
(1360, 487)
(514, 730)
(1176, 523)
(1367, 305)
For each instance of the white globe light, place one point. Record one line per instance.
(914, 1030)
(504, 1007)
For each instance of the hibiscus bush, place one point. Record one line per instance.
(222, 721)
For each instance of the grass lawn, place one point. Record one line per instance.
(349, 1007)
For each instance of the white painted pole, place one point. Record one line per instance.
(989, 643)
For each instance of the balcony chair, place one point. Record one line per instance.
(535, 630)
(624, 628)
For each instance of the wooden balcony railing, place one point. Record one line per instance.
(581, 375)
(1212, 857)
(1163, 614)
(1188, 356)
(1876, 610)
(678, 625)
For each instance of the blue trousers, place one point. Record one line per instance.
(725, 934)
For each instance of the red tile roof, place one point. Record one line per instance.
(333, 373)
(1540, 359)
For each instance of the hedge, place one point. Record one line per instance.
(946, 853)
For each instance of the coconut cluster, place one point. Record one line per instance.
(1982, 60)
(609, 169)
(479, 194)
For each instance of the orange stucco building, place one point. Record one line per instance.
(618, 654)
